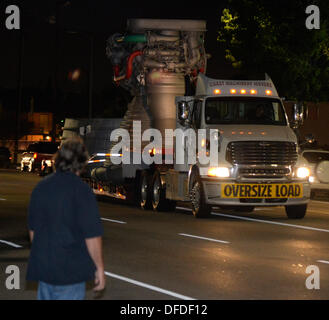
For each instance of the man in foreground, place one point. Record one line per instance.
(65, 230)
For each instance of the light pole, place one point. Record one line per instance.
(91, 68)
(59, 5)
(20, 89)
(91, 78)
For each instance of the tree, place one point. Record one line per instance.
(271, 36)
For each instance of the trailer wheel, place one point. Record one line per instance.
(159, 201)
(296, 212)
(144, 195)
(200, 208)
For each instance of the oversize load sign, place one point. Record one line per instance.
(268, 191)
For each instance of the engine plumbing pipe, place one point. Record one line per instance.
(129, 69)
(130, 63)
(116, 70)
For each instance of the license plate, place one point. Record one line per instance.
(266, 191)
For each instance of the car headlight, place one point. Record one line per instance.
(303, 172)
(220, 172)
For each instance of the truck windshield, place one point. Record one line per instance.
(244, 110)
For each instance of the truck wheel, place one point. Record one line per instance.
(159, 201)
(296, 212)
(144, 191)
(200, 208)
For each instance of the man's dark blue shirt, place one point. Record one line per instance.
(63, 212)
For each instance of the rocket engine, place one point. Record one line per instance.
(156, 60)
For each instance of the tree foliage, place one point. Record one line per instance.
(271, 36)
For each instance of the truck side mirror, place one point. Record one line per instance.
(183, 111)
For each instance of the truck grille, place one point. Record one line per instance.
(264, 172)
(261, 153)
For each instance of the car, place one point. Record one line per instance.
(36, 154)
(319, 168)
(5, 157)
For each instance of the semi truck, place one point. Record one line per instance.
(243, 123)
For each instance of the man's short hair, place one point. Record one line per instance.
(71, 156)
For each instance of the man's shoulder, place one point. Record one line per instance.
(82, 185)
(63, 180)
(76, 181)
(45, 181)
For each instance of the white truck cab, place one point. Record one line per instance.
(258, 160)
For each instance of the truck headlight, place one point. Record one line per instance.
(220, 172)
(303, 172)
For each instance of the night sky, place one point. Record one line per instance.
(100, 18)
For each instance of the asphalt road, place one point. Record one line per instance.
(164, 256)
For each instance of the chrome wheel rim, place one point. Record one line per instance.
(144, 189)
(156, 192)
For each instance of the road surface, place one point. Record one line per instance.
(161, 256)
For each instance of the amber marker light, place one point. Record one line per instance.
(233, 91)
(253, 91)
(268, 92)
(152, 152)
(217, 91)
(243, 91)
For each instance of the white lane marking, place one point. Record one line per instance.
(2, 199)
(182, 208)
(111, 220)
(323, 261)
(270, 222)
(263, 221)
(148, 286)
(10, 244)
(202, 238)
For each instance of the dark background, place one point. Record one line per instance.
(76, 22)
(296, 58)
